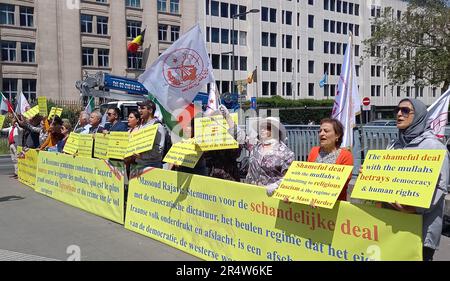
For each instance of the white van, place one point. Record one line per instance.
(126, 107)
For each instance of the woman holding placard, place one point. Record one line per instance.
(331, 133)
(415, 133)
(134, 121)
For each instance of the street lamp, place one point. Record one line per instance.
(233, 17)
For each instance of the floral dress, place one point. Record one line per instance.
(269, 167)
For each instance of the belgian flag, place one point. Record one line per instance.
(134, 45)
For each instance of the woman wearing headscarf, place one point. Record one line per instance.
(414, 133)
(331, 133)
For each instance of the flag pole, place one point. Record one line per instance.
(12, 109)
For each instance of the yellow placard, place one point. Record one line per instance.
(118, 145)
(101, 146)
(211, 133)
(184, 153)
(89, 184)
(142, 140)
(32, 112)
(71, 146)
(408, 177)
(42, 102)
(55, 111)
(85, 144)
(313, 183)
(2, 120)
(27, 169)
(222, 220)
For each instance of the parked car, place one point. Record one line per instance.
(382, 123)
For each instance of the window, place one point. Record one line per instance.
(234, 37)
(224, 36)
(356, 9)
(311, 89)
(26, 16)
(207, 10)
(162, 6)
(86, 23)
(311, 2)
(288, 65)
(288, 41)
(233, 10)
(264, 14)
(225, 62)
(311, 44)
(273, 64)
(242, 38)
(132, 3)
(243, 63)
(10, 89)
(338, 6)
(7, 14)
(174, 33)
(28, 52)
(356, 50)
(215, 60)
(332, 26)
(344, 28)
(265, 39)
(215, 35)
(356, 29)
(242, 10)
(265, 88)
(338, 27)
(225, 86)
(135, 60)
(133, 28)
(350, 8)
(288, 18)
(311, 66)
(333, 48)
(326, 24)
(29, 89)
(399, 91)
(103, 57)
(162, 32)
(273, 39)
(88, 56)
(265, 63)
(338, 48)
(326, 4)
(326, 47)
(224, 10)
(208, 32)
(273, 15)
(273, 88)
(214, 8)
(344, 7)
(102, 25)
(8, 51)
(310, 21)
(175, 7)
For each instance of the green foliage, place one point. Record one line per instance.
(415, 47)
(4, 147)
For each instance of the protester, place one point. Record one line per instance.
(331, 133)
(134, 121)
(414, 133)
(55, 134)
(270, 158)
(14, 133)
(94, 120)
(152, 158)
(114, 125)
(83, 123)
(66, 129)
(30, 138)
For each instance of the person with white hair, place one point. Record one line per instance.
(83, 123)
(94, 120)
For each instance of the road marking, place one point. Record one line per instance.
(6, 255)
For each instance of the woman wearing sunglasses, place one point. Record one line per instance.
(414, 133)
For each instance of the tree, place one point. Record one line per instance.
(414, 45)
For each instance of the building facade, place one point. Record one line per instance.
(47, 45)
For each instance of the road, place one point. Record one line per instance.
(35, 227)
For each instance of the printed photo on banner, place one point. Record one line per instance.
(313, 184)
(404, 176)
(211, 133)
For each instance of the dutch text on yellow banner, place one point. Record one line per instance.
(313, 183)
(26, 163)
(89, 184)
(101, 146)
(184, 153)
(71, 146)
(42, 103)
(32, 112)
(222, 220)
(211, 133)
(2, 120)
(405, 176)
(118, 145)
(85, 144)
(142, 140)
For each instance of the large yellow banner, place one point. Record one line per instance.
(221, 220)
(405, 176)
(89, 184)
(27, 166)
(313, 183)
